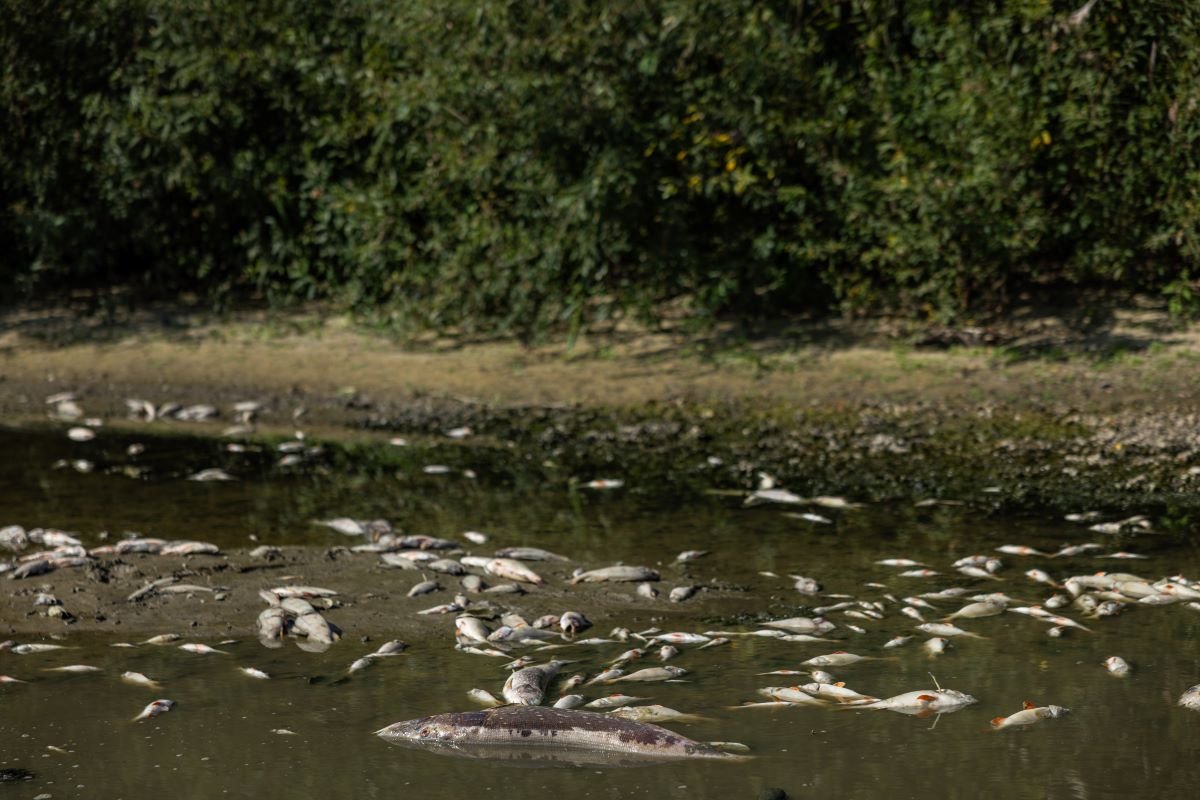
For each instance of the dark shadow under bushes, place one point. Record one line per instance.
(504, 166)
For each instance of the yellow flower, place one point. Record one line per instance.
(730, 165)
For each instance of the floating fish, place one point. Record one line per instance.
(1029, 715)
(154, 709)
(138, 679)
(1117, 666)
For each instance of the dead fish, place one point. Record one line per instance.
(10, 679)
(315, 627)
(1122, 554)
(652, 674)
(424, 587)
(667, 652)
(201, 649)
(529, 554)
(484, 698)
(254, 673)
(568, 701)
(679, 637)
(163, 638)
(138, 679)
(920, 703)
(919, 573)
(1042, 577)
(978, 572)
(792, 695)
(513, 570)
(654, 713)
(472, 628)
(899, 562)
(801, 625)
(446, 566)
(154, 709)
(837, 692)
(618, 573)
(391, 648)
(898, 641)
(1117, 665)
(1070, 550)
(604, 483)
(577, 735)
(272, 624)
(946, 629)
(29, 649)
(301, 591)
(1029, 715)
(572, 622)
(769, 495)
(607, 676)
(1191, 698)
(805, 585)
(912, 613)
(936, 646)
(838, 658)
(1019, 550)
(614, 701)
(74, 669)
(33, 568)
(682, 593)
(528, 686)
(690, 555)
(211, 474)
(647, 590)
(190, 548)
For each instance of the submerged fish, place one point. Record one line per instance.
(558, 734)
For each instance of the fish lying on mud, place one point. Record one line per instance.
(535, 733)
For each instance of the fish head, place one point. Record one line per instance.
(947, 697)
(438, 728)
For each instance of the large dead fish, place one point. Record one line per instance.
(532, 734)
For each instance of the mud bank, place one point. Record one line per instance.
(1042, 412)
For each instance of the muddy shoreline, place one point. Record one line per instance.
(865, 416)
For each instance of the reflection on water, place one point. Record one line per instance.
(308, 731)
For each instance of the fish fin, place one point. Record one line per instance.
(840, 684)
(997, 721)
(839, 652)
(1027, 705)
(928, 698)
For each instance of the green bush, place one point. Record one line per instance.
(517, 165)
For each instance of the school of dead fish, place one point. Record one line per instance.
(531, 649)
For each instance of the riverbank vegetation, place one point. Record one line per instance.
(516, 167)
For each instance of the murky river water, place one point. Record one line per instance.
(1124, 737)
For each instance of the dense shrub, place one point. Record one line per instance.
(517, 164)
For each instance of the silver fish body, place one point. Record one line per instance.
(618, 573)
